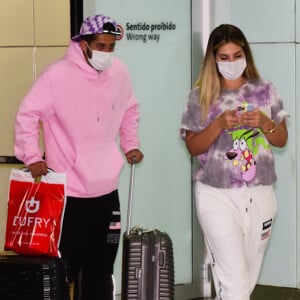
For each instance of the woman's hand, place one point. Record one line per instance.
(276, 134)
(228, 119)
(256, 119)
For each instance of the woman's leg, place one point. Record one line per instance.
(237, 225)
(221, 221)
(261, 213)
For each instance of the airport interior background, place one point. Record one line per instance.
(163, 44)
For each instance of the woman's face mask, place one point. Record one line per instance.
(100, 60)
(232, 70)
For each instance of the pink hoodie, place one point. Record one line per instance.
(83, 113)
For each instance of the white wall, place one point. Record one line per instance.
(297, 128)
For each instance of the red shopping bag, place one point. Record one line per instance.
(35, 213)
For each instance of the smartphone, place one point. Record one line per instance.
(246, 107)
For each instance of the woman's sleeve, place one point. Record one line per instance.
(191, 117)
(278, 112)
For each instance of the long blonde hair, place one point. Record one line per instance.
(209, 79)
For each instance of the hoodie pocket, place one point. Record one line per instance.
(98, 166)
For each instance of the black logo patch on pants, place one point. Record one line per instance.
(267, 224)
(114, 230)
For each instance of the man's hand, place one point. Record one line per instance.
(38, 169)
(134, 156)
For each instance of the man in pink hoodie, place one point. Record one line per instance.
(86, 104)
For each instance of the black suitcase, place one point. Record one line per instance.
(148, 262)
(33, 278)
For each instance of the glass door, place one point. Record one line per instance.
(156, 46)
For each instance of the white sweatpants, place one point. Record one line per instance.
(236, 225)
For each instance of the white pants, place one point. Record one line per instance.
(236, 225)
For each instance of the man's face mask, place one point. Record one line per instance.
(100, 60)
(232, 70)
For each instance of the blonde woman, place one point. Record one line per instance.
(231, 121)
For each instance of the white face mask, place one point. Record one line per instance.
(100, 60)
(232, 70)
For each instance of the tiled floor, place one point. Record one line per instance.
(275, 293)
(262, 292)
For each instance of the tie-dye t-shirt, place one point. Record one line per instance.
(242, 155)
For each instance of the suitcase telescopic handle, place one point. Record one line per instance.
(130, 196)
